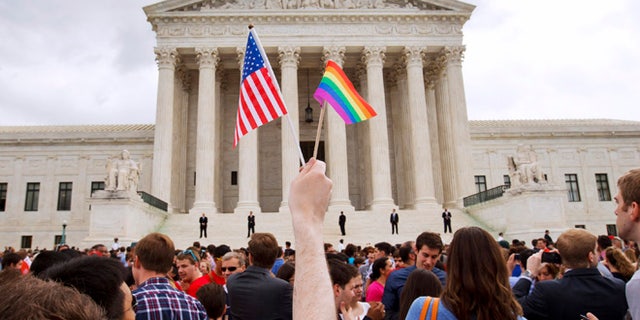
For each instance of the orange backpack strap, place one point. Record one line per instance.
(425, 308)
(434, 310)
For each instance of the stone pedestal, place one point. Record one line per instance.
(122, 215)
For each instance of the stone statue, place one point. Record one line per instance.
(122, 173)
(524, 167)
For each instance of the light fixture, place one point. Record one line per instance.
(308, 112)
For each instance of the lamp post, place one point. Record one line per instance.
(64, 229)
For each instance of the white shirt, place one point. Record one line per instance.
(633, 295)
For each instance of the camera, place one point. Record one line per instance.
(551, 257)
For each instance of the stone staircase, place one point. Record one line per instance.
(362, 227)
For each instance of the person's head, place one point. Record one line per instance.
(232, 262)
(46, 259)
(263, 250)
(381, 268)
(547, 271)
(12, 260)
(328, 248)
(219, 252)
(33, 298)
(407, 254)
(478, 278)
(343, 281)
(428, 248)
(250, 213)
(188, 263)
(287, 272)
(617, 242)
(205, 266)
(603, 242)
(350, 250)
(154, 253)
(383, 249)
(213, 298)
(420, 283)
(287, 244)
(99, 250)
(577, 248)
(541, 244)
(616, 260)
(203, 214)
(99, 278)
(342, 213)
(628, 205)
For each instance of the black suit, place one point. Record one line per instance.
(341, 221)
(394, 219)
(256, 294)
(251, 225)
(578, 292)
(203, 226)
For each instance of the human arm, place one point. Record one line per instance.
(308, 200)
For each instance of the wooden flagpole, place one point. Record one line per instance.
(320, 121)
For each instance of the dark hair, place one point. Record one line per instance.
(263, 248)
(221, 250)
(45, 260)
(380, 263)
(404, 253)
(384, 246)
(286, 271)
(429, 239)
(421, 282)
(213, 298)
(604, 242)
(477, 278)
(97, 277)
(341, 273)
(10, 259)
(350, 250)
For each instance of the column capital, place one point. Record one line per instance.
(361, 71)
(185, 78)
(220, 76)
(167, 57)
(240, 55)
(335, 53)
(374, 56)
(454, 55)
(207, 57)
(288, 56)
(413, 56)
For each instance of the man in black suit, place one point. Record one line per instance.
(582, 289)
(341, 221)
(251, 224)
(394, 219)
(203, 221)
(446, 219)
(256, 293)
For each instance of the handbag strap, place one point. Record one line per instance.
(427, 305)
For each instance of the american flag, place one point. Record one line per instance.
(260, 97)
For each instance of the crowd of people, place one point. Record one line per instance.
(476, 276)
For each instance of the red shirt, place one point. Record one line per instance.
(206, 279)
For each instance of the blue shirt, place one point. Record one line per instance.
(443, 312)
(157, 299)
(276, 266)
(393, 289)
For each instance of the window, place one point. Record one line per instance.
(571, 180)
(96, 185)
(612, 230)
(234, 178)
(33, 193)
(481, 183)
(506, 181)
(64, 196)
(580, 226)
(3, 196)
(602, 184)
(25, 242)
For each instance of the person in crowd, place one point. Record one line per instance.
(407, 255)
(342, 220)
(279, 262)
(565, 298)
(347, 290)
(216, 273)
(203, 221)
(251, 224)
(205, 266)
(288, 272)
(380, 271)
(288, 251)
(115, 246)
(628, 223)
(394, 219)
(231, 263)
(188, 263)
(45, 260)
(618, 264)
(101, 279)
(156, 298)
(26, 297)
(12, 260)
(420, 283)
(255, 293)
(477, 284)
(212, 297)
(428, 247)
(547, 237)
(547, 271)
(446, 220)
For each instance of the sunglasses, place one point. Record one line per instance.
(232, 269)
(189, 252)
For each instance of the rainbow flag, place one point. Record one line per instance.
(336, 89)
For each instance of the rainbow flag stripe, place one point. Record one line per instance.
(336, 89)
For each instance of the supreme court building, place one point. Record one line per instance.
(419, 154)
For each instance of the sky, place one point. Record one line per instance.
(79, 62)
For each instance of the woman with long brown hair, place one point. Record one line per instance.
(477, 282)
(618, 264)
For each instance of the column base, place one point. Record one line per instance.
(284, 208)
(203, 207)
(245, 207)
(383, 205)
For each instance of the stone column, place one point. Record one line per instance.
(434, 133)
(207, 59)
(180, 131)
(336, 146)
(167, 58)
(401, 133)
(419, 130)
(364, 169)
(444, 114)
(248, 173)
(373, 57)
(289, 59)
(220, 86)
(460, 121)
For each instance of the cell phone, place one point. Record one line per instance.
(516, 256)
(551, 257)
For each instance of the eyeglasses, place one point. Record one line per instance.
(231, 269)
(189, 252)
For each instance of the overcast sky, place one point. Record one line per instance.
(92, 62)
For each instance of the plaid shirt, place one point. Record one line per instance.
(157, 299)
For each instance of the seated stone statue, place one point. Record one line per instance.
(120, 173)
(524, 167)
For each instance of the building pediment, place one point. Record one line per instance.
(176, 6)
